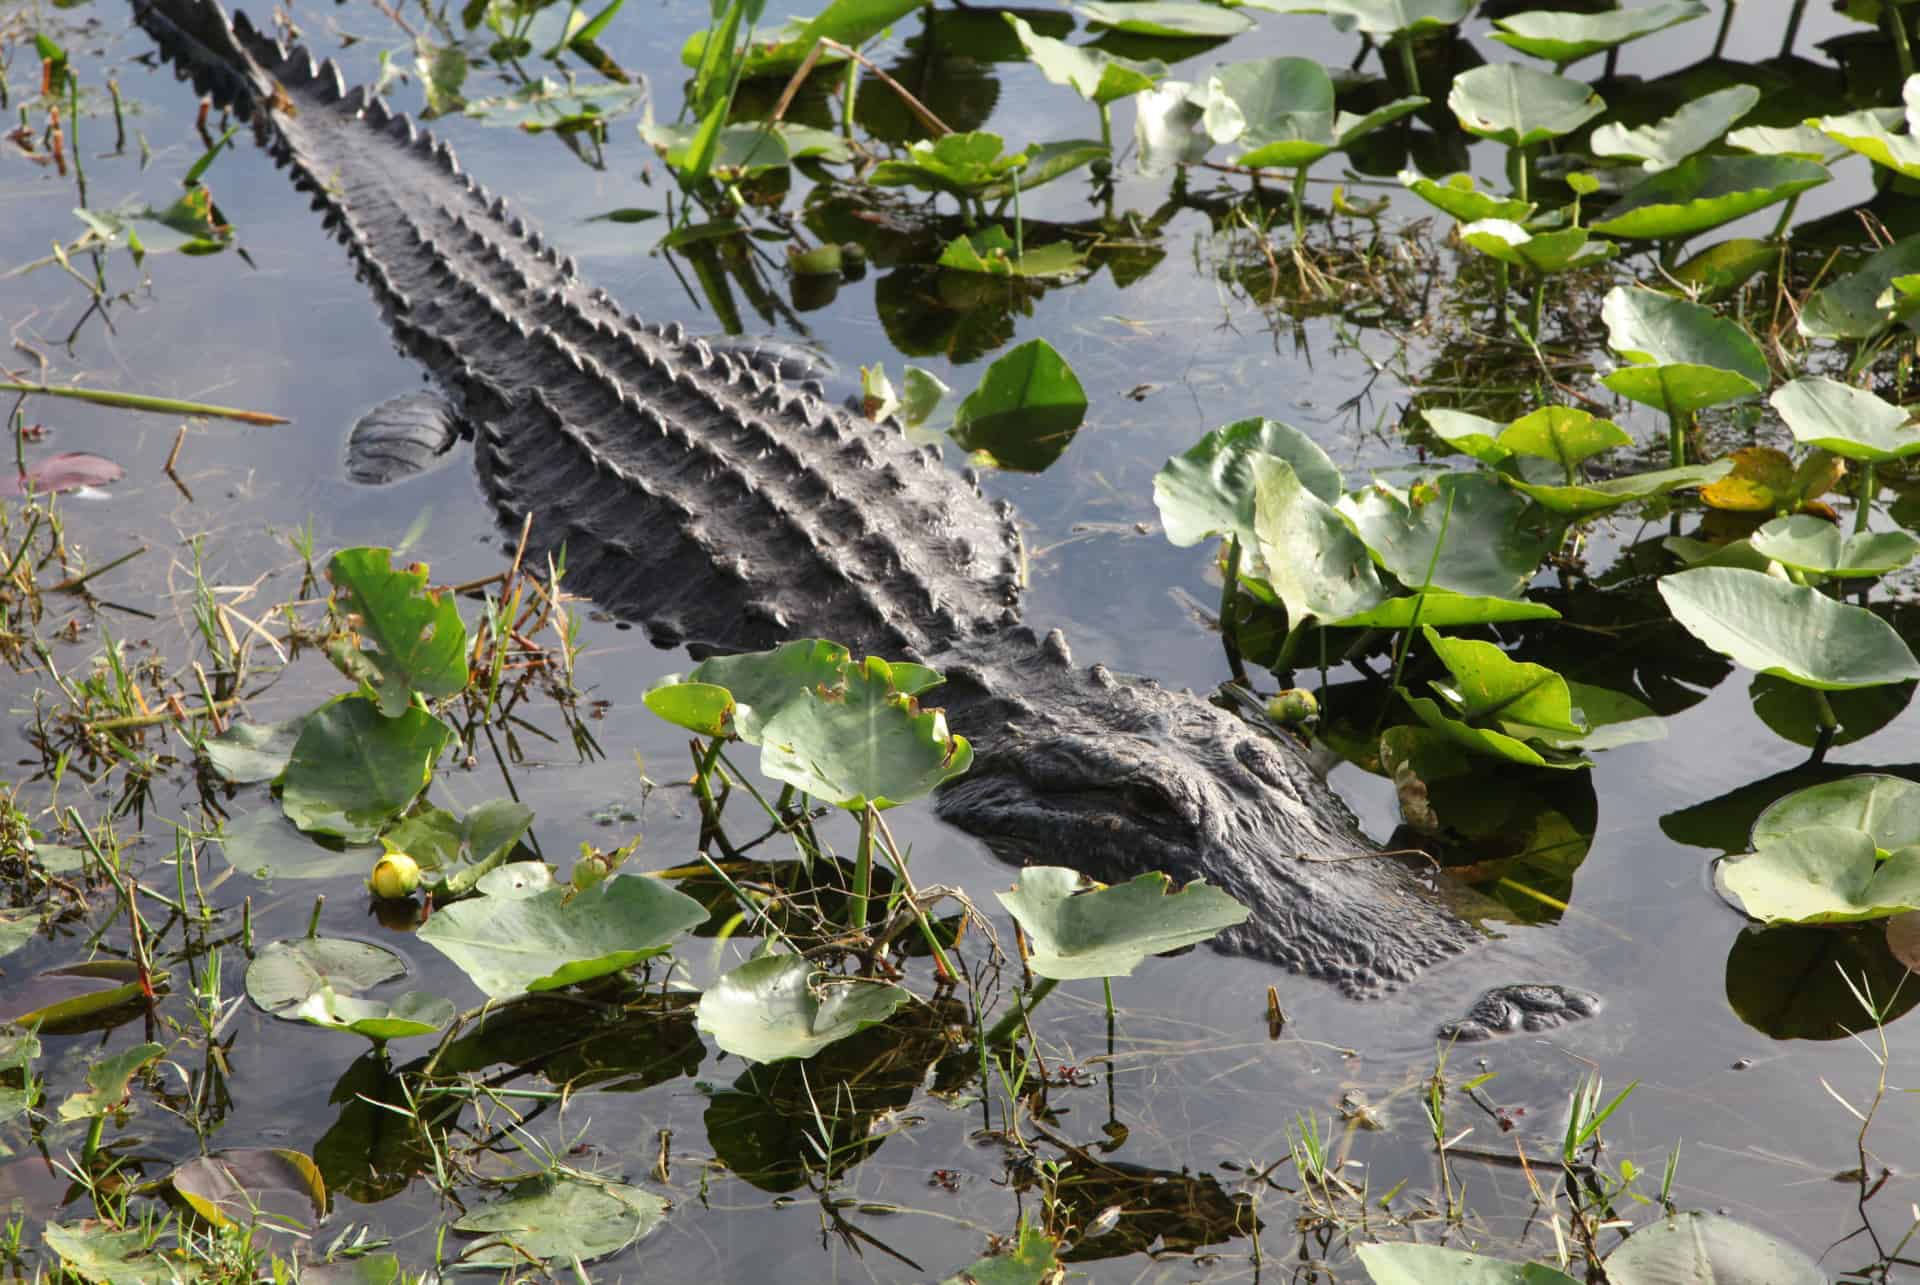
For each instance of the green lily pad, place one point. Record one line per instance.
(1791, 140)
(1852, 307)
(457, 851)
(1544, 252)
(1871, 134)
(1281, 112)
(1725, 266)
(1166, 18)
(353, 771)
(1811, 544)
(1848, 421)
(1884, 808)
(1685, 355)
(961, 164)
(781, 1006)
(559, 1220)
(266, 845)
(1444, 610)
(101, 1251)
(1470, 434)
(411, 1013)
(406, 638)
(108, 1082)
(1670, 140)
(1823, 875)
(780, 52)
(1486, 741)
(1097, 76)
(1316, 565)
(1031, 1261)
(525, 932)
(285, 973)
(1045, 162)
(1208, 490)
(1488, 686)
(1584, 499)
(1791, 630)
(1703, 192)
(1077, 928)
(1457, 195)
(1561, 38)
(1488, 545)
(1707, 1247)
(1027, 407)
(248, 753)
(1519, 105)
(1566, 435)
(1410, 1264)
(991, 253)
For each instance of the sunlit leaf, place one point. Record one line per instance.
(352, 771)
(457, 851)
(1561, 37)
(559, 1219)
(248, 753)
(1821, 875)
(1884, 808)
(1457, 195)
(1165, 18)
(1848, 421)
(285, 973)
(1705, 1247)
(1316, 565)
(1670, 140)
(1444, 611)
(1853, 307)
(1544, 252)
(1406, 1263)
(1097, 76)
(1791, 630)
(405, 637)
(410, 1013)
(1380, 19)
(1703, 192)
(1026, 409)
(1685, 355)
(1583, 499)
(782, 1006)
(1208, 490)
(1518, 105)
(1488, 543)
(236, 1187)
(1815, 545)
(108, 1082)
(1871, 133)
(1079, 929)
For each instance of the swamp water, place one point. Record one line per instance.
(1187, 1114)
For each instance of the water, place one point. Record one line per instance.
(1194, 1078)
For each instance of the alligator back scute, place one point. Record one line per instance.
(664, 457)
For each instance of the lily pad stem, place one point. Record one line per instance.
(862, 873)
(1786, 218)
(947, 971)
(1863, 507)
(1229, 626)
(1676, 438)
(1300, 205)
(1106, 127)
(1007, 1025)
(1897, 29)
(1408, 67)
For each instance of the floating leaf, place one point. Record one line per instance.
(1583, 499)
(266, 845)
(1411, 1264)
(1488, 686)
(528, 933)
(66, 471)
(1856, 306)
(108, 1081)
(459, 850)
(1725, 266)
(1544, 252)
(1316, 565)
(1488, 544)
(1166, 126)
(1444, 610)
(559, 1219)
(411, 1013)
(1208, 490)
(992, 253)
(1026, 409)
(1791, 630)
(781, 1006)
(1686, 356)
(1823, 875)
(1077, 928)
(352, 771)
(1668, 141)
(236, 1187)
(957, 163)
(1816, 545)
(1097, 76)
(1703, 192)
(1457, 195)
(101, 1251)
(413, 639)
(1031, 1261)
(248, 753)
(1560, 37)
(1848, 421)
(1884, 808)
(1469, 434)
(285, 973)
(1519, 105)
(1166, 18)
(1703, 1247)
(108, 991)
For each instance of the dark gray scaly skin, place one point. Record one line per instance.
(1534, 1007)
(698, 494)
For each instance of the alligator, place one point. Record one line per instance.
(724, 507)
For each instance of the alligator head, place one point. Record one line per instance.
(1115, 776)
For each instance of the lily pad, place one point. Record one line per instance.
(1208, 490)
(1031, 1261)
(1853, 307)
(1685, 355)
(1316, 565)
(236, 1187)
(1487, 543)
(108, 1081)
(353, 770)
(1281, 112)
(1544, 252)
(1445, 610)
(1166, 18)
(101, 1251)
(781, 1006)
(1583, 499)
(1097, 76)
(1791, 630)
(1871, 133)
(248, 753)
(993, 253)
(1665, 143)
(1765, 480)
(1815, 545)
(411, 1013)
(1823, 875)
(1566, 435)
(1561, 37)
(1027, 407)
(1077, 928)
(781, 51)
(1488, 686)
(525, 932)
(1707, 1247)
(1457, 195)
(961, 164)
(1410, 1264)
(560, 1219)
(406, 638)
(1166, 126)
(1470, 434)
(266, 845)
(1703, 192)
(1519, 105)
(1380, 19)
(1848, 421)
(1884, 808)
(459, 850)
(285, 973)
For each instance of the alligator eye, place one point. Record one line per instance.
(1149, 801)
(1261, 760)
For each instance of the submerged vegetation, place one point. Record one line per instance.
(1656, 430)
